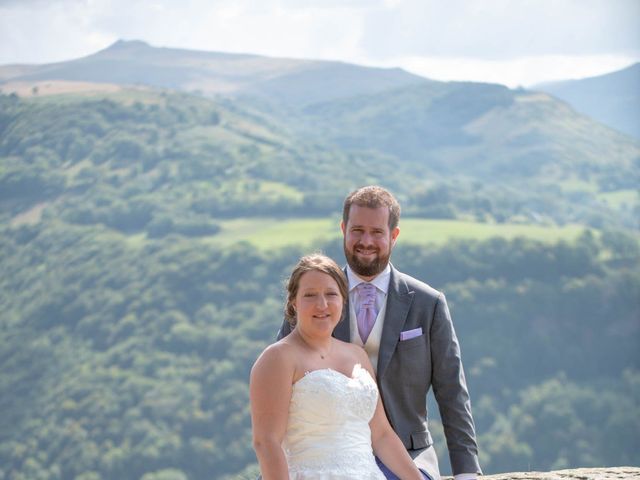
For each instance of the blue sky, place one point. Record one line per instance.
(511, 42)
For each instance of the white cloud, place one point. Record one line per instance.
(503, 29)
(48, 32)
(331, 4)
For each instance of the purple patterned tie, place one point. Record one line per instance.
(367, 314)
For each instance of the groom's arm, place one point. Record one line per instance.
(450, 389)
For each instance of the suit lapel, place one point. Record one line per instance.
(343, 328)
(399, 300)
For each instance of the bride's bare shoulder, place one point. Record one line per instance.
(277, 357)
(280, 351)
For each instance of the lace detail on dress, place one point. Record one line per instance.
(328, 431)
(348, 465)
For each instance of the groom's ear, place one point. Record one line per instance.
(342, 226)
(394, 235)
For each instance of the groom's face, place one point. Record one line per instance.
(368, 241)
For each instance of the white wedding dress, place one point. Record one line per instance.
(328, 435)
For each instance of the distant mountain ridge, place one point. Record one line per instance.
(613, 99)
(210, 73)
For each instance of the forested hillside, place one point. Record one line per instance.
(121, 360)
(127, 328)
(144, 160)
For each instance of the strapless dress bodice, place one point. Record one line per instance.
(328, 435)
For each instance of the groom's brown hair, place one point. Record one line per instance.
(372, 196)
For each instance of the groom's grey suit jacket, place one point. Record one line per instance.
(407, 369)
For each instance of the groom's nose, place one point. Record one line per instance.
(366, 239)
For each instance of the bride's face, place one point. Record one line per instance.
(318, 303)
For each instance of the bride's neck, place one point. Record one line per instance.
(322, 344)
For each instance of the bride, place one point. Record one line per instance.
(315, 408)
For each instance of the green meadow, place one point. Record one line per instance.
(273, 233)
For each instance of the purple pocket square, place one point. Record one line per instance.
(409, 334)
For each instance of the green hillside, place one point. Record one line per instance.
(482, 131)
(142, 160)
(482, 150)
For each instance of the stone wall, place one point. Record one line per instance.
(612, 473)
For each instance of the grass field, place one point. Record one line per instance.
(620, 198)
(268, 234)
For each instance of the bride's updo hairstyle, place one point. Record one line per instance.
(314, 262)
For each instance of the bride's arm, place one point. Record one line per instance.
(270, 395)
(386, 444)
(388, 447)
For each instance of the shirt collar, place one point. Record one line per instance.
(381, 282)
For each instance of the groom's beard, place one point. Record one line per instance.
(363, 268)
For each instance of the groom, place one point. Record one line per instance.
(405, 327)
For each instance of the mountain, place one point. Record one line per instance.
(296, 127)
(487, 131)
(279, 79)
(613, 99)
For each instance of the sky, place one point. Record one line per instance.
(512, 42)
